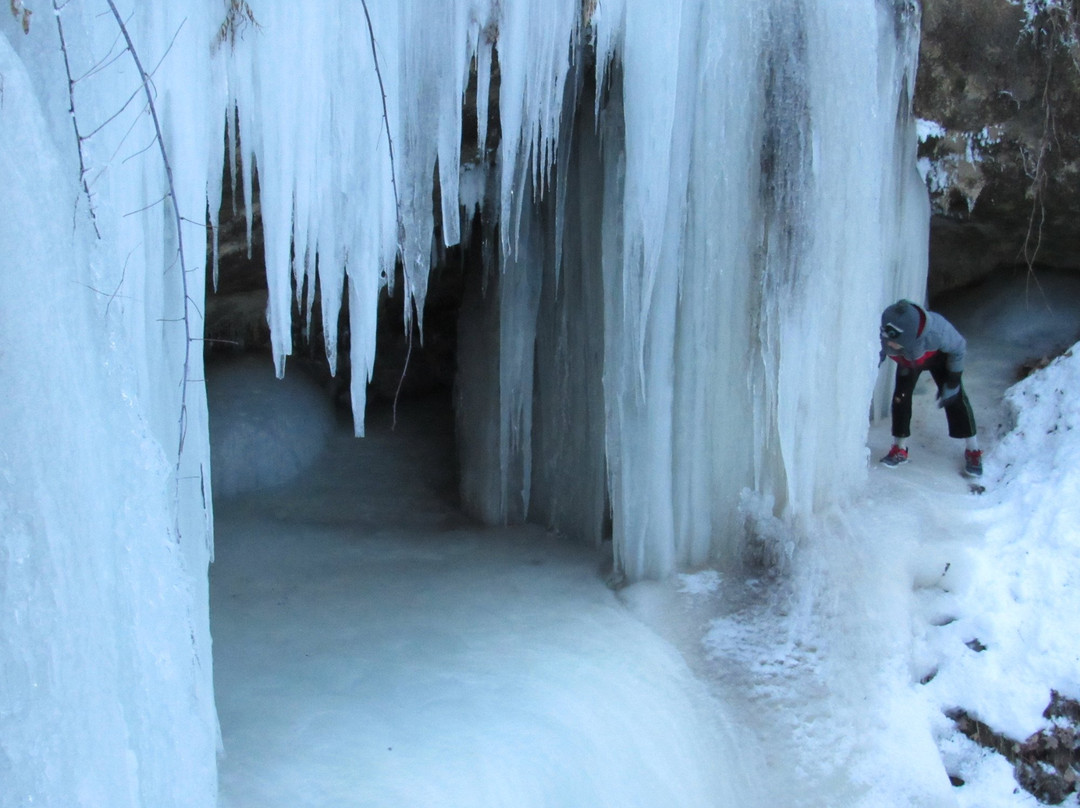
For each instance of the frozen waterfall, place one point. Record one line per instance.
(723, 220)
(695, 212)
(691, 257)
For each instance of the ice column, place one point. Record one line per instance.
(797, 220)
(531, 347)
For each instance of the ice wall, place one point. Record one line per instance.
(784, 235)
(105, 525)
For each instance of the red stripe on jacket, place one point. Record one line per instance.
(914, 363)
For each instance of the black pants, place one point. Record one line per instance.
(957, 412)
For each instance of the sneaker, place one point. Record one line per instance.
(973, 463)
(895, 457)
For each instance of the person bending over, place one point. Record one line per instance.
(917, 340)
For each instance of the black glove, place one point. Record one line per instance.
(949, 390)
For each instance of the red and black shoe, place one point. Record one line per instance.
(895, 457)
(972, 463)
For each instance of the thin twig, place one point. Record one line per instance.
(119, 283)
(74, 119)
(99, 292)
(168, 50)
(198, 310)
(112, 117)
(135, 154)
(123, 140)
(1038, 182)
(397, 203)
(103, 64)
(386, 126)
(157, 202)
(401, 381)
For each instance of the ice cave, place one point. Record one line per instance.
(665, 231)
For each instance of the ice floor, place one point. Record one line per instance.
(373, 647)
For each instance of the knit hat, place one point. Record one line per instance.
(900, 323)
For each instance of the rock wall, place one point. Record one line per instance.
(997, 90)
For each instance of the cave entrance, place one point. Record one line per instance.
(284, 450)
(526, 385)
(370, 639)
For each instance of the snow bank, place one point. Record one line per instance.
(1025, 607)
(264, 431)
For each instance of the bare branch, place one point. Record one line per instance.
(74, 120)
(171, 194)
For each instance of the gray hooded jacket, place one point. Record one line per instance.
(921, 334)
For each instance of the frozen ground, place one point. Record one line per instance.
(373, 647)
